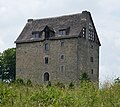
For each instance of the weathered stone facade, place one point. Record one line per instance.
(58, 49)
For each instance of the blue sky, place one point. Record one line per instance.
(105, 13)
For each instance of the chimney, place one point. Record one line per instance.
(30, 20)
(85, 12)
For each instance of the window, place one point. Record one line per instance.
(62, 68)
(91, 46)
(91, 59)
(46, 76)
(36, 34)
(46, 46)
(83, 32)
(91, 35)
(46, 60)
(90, 26)
(62, 56)
(91, 71)
(61, 43)
(62, 32)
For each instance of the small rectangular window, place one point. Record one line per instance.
(62, 32)
(61, 43)
(91, 59)
(46, 47)
(91, 71)
(46, 60)
(91, 35)
(36, 34)
(62, 68)
(62, 56)
(91, 46)
(84, 32)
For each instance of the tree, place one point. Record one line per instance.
(84, 77)
(117, 80)
(8, 64)
(1, 66)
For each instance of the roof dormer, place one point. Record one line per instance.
(49, 32)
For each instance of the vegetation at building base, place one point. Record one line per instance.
(86, 94)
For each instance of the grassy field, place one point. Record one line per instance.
(85, 95)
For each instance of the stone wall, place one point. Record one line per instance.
(30, 60)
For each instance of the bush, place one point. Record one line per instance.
(20, 81)
(71, 85)
(117, 80)
(29, 83)
(84, 77)
(60, 85)
(49, 84)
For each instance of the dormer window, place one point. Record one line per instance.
(62, 32)
(49, 32)
(36, 34)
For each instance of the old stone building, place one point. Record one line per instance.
(58, 49)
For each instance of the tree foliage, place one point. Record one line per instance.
(8, 64)
(84, 77)
(117, 80)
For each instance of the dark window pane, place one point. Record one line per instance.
(62, 56)
(91, 71)
(46, 47)
(62, 43)
(46, 76)
(36, 34)
(62, 32)
(61, 68)
(46, 60)
(91, 59)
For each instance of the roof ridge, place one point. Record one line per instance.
(56, 17)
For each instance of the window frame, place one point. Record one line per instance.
(46, 46)
(61, 43)
(62, 57)
(62, 68)
(84, 32)
(36, 34)
(91, 59)
(92, 71)
(46, 76)
(46, 60)
(62, 32)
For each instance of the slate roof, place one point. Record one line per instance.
(74, 22)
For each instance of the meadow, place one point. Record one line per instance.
(87, 94)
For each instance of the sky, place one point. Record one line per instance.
(105, 14)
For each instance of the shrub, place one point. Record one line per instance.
(60, 85)
(20, 81)
(29, 83)
(117, 80)
(84, 77)
(49, 84)
(71, 85)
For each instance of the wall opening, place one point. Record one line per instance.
(46, 76)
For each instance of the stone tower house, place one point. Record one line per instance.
(58, 49)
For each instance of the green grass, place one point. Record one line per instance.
(84, 95)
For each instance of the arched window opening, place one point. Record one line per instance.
(46, 76)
